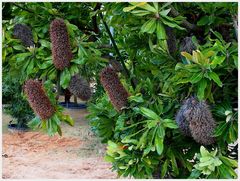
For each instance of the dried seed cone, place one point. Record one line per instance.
(181, 120)
(197, 115)
(61, 49)
(80, 88)
(114, 88)
(38, 100)
(24, 33)
(187, 45)
(116, 65)
(171, 40)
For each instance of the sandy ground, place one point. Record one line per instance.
(77, 154)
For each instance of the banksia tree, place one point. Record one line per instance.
(80, 87)
(38, 99)
(187, 45)
(114, 88)
(195, 116)
(24, 33)
(61, 49)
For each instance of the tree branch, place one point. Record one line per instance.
(188, 25)
(117, 51)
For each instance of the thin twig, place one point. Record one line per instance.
(117, 50)
(188, 25)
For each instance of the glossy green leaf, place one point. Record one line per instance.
(215, 78)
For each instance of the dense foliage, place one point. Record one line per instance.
(169, 52)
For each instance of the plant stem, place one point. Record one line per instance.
(25, 9)
(117, 50)
(188, 25)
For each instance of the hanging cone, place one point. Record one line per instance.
(61, 49)
(80, 88)
(38, 99)
(24, 33)
(200, 121)
(114, 88)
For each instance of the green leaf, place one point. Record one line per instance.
(187, 55)
(165, 12)
(34, 123)
(171, 24)
(215, 78)
(159, 144)
(218, 60)
(220, 130)
(149, 26)
(203, 21)
(79, 61)
(204, 152)
(45, 43)
(160, 131)
(140, 12)
(195, 174)
(201, 89)
(45, 65)
(30, 67)
(196, 77)
(68, 120)
(164, 168)
(59, 130)
(18, 47)
(161, 34)
(136, 98)
(65, 77)
(149, 113)
(229, 162)
(169, 123)
(143, 139)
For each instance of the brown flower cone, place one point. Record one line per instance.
(38, 100)
(201, 122)
(114, 88)
(80, 88)
(61, 49)
(24, 33)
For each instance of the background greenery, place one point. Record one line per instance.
(143, 140)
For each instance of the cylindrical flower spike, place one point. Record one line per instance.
(187, 45)
(61, 49)
(196, 117)
(80, 88)
(24, 33)
(114, 88)
(116, 65)
(38, 99)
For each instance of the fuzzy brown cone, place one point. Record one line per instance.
(61, 49)
(80, 88)
(114, 88)
(38, 100)
(24, 33)
(196, 117)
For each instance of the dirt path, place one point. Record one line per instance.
(77, 154)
